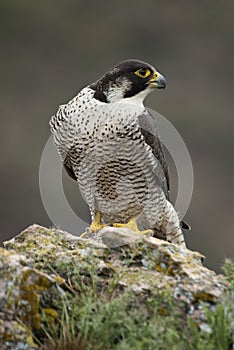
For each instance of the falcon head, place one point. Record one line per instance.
(131, 79)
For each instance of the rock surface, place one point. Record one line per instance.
(36, 266)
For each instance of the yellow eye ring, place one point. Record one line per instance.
(143, 72)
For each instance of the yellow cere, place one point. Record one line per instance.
(143, 72)
(156, 75)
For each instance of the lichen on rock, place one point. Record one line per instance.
(21, 287)
(39, 264)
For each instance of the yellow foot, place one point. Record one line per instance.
(95, 225)
(132, 225)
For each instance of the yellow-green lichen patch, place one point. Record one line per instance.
(23, 289)
(13, 333)
(33, 282)
(39, 240)
(50, 314)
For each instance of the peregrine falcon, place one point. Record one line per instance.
(108, 142)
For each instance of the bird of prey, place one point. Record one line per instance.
(108, 142)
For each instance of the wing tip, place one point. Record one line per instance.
(185, 226)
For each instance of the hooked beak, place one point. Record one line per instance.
(158, 81)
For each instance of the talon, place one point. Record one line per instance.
(132, 225)
(96, 224)
(85, 233)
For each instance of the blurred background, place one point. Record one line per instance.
(51, 49)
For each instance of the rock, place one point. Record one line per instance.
(37, 266)
(21, 287)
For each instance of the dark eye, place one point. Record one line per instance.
(143, 72)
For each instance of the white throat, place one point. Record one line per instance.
(137, 99)
(116, 95)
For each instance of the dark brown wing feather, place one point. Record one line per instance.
(148, 127)
(68, 167)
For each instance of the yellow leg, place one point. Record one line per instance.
(132, 225)
(95, 225)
